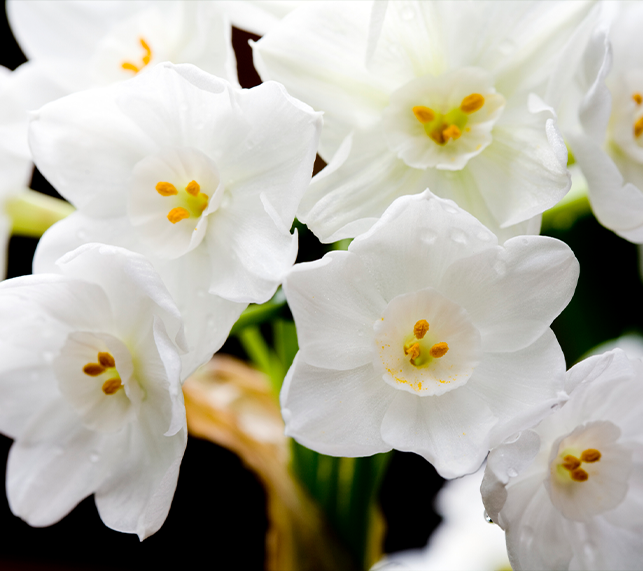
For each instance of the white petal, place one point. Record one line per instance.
(315, 49)
(335, 305)
(520, 387)
(419, 237)
(55, 464)
(451, 430)
(514, 293)
(335, 412)
(612, 365)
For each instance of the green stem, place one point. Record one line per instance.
(257, 314)
(32, 212)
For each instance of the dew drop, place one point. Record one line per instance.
(506, 47)
(511, 473)
(500, 267)
(487, 518)
(458, 236)
(408, 14)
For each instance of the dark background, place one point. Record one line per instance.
(218, 518)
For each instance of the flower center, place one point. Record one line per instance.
(570, 465)
(442, 128)
(421, 354)
(190, 202)
(144, 60)
(106, 365)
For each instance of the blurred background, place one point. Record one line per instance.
(218, 516)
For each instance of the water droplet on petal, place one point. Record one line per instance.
(511, 473)
(458, 236)
(500, 267)
(487, 518)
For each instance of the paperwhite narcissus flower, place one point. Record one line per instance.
(463, 541)
(426, 336)
(90, 389)
(610, 147)
(427, 94)
(568, 493)
(85, 44)
(202, 178)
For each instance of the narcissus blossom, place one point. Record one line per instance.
(426, 336)
(84, 44)
(569, 492)
(427, 94)
(90, 389)
(202, 178)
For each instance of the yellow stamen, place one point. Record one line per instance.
(193, 188)
(177, 214)
(638, 98)
(579, 475)
(590, 455)
(570, 462)
(130, 67)
(93, 369)
(112, 385)
(421, 328)
(451, 132)
(439, 350)
(413, 351)
(638, 127)
(106, 360)
(423, 114)
(166, 189)
(472, 103)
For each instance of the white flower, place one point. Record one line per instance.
(426, 336)
(83, 44)
(607, 134)
(569, 493)
(202, 178)
(427, 94)
(464, 540)
(90, 389)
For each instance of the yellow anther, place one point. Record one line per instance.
(439, 350)
(451, 132)
(420, 328)
(177, 214)
(570, 462)
(471, 103)
(638, 98)
(112, 385)
(638, 127)
(193, 188)
(93, 369)
(413, 351)
(166, 189)
(423, 114)
(590, 455)
(106, 360)
(148, 52)
(579, 475)
(130, 67)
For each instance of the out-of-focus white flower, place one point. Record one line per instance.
(427, 94)
(258, 16)
(569, 493)
(464, 540)
(426, 336)
(84, 44)
(202, 178)
(608, 140)
(90, 389)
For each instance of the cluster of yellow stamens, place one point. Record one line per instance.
(129, 66)
(573, 464)
(106, 365)
(413, 350)
(638, 125)
(449, 126)
(193, 204)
